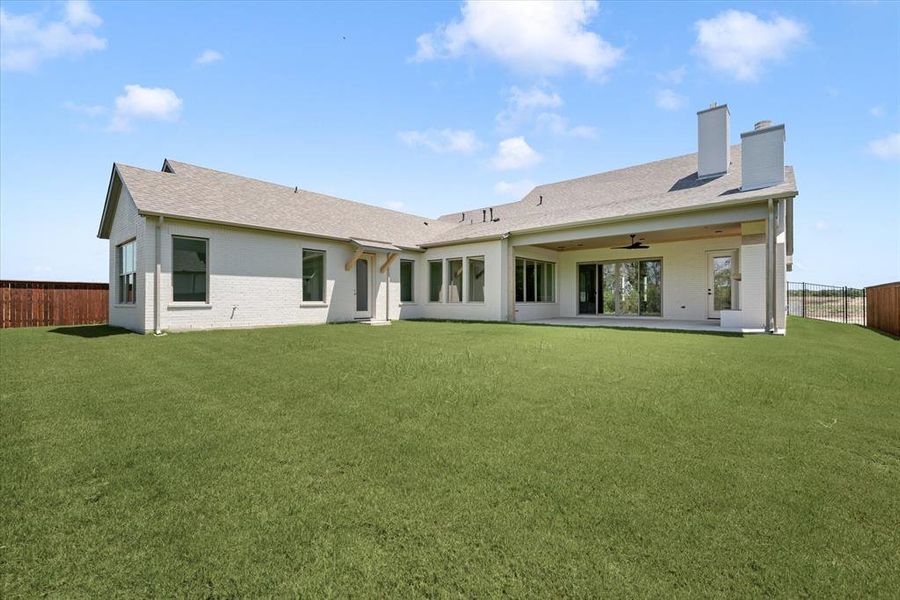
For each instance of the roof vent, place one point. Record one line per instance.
(762, 125)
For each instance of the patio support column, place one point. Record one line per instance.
(770, 268)
(507, 280)
(157, 242)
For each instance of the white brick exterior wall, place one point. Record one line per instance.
(255, 278)
(489, 310)
(127, 225)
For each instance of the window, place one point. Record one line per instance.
(127, 277)
(476, 279)
(435, 280)
(313, 275)
(454, 280)
(406, 281)
(520, 280)
(189, 269)
(535, 281)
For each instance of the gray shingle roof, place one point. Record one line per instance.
(193, 192)
(664, 185)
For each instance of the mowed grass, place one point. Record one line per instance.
(450, 459)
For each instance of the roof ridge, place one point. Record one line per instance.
(540, 186)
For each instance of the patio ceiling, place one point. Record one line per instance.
(649, 238)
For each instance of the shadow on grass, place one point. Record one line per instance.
(576, 326)
(886, 334)
(91, 331)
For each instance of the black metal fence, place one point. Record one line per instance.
(840, 304)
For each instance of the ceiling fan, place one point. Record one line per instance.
(634, 245)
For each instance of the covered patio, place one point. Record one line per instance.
(710, 270)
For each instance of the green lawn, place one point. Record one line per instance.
(450, 459)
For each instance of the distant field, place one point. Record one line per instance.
(829, 308)
(449, 459)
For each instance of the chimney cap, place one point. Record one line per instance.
(760, 128)
(714, 106)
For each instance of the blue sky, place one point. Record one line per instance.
(437, 107)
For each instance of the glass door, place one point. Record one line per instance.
(719, 292)
(587, 289)
(624, 288)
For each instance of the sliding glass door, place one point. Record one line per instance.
(622, 288)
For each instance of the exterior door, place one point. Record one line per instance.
(364, 286)
(720, 287)
(587, 289)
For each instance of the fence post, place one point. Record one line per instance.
(845, 304)
(803, 300)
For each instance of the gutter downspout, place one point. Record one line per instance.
(770, 267)
(156, 284)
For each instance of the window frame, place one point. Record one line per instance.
(120, 273)
(524, 280)
(442, 287)
(172, 279)
(324, 300)
(412, 282)
(462, 279)
(467, 276)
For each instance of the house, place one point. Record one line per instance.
(702, 238)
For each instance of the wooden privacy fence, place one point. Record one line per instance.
(42, 303)
(883, 307)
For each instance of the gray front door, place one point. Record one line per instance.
(363, 285)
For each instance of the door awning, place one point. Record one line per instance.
(373, 246)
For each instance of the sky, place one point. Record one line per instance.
(433, 108)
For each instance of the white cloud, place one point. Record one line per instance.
(821, 225)
(536, 37)
(515, 153)
(533, 98)
(669, 100)
(78, 12)
(524, 107)
(559, 125)
(207, 57)
(887, 148)
(673, 76)
(394, 204)
(139, 102)
(89, 110)
(522, 104)
(29, 39)
(442, 141)
(740, 43)
(878, 111)
(516, 189)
